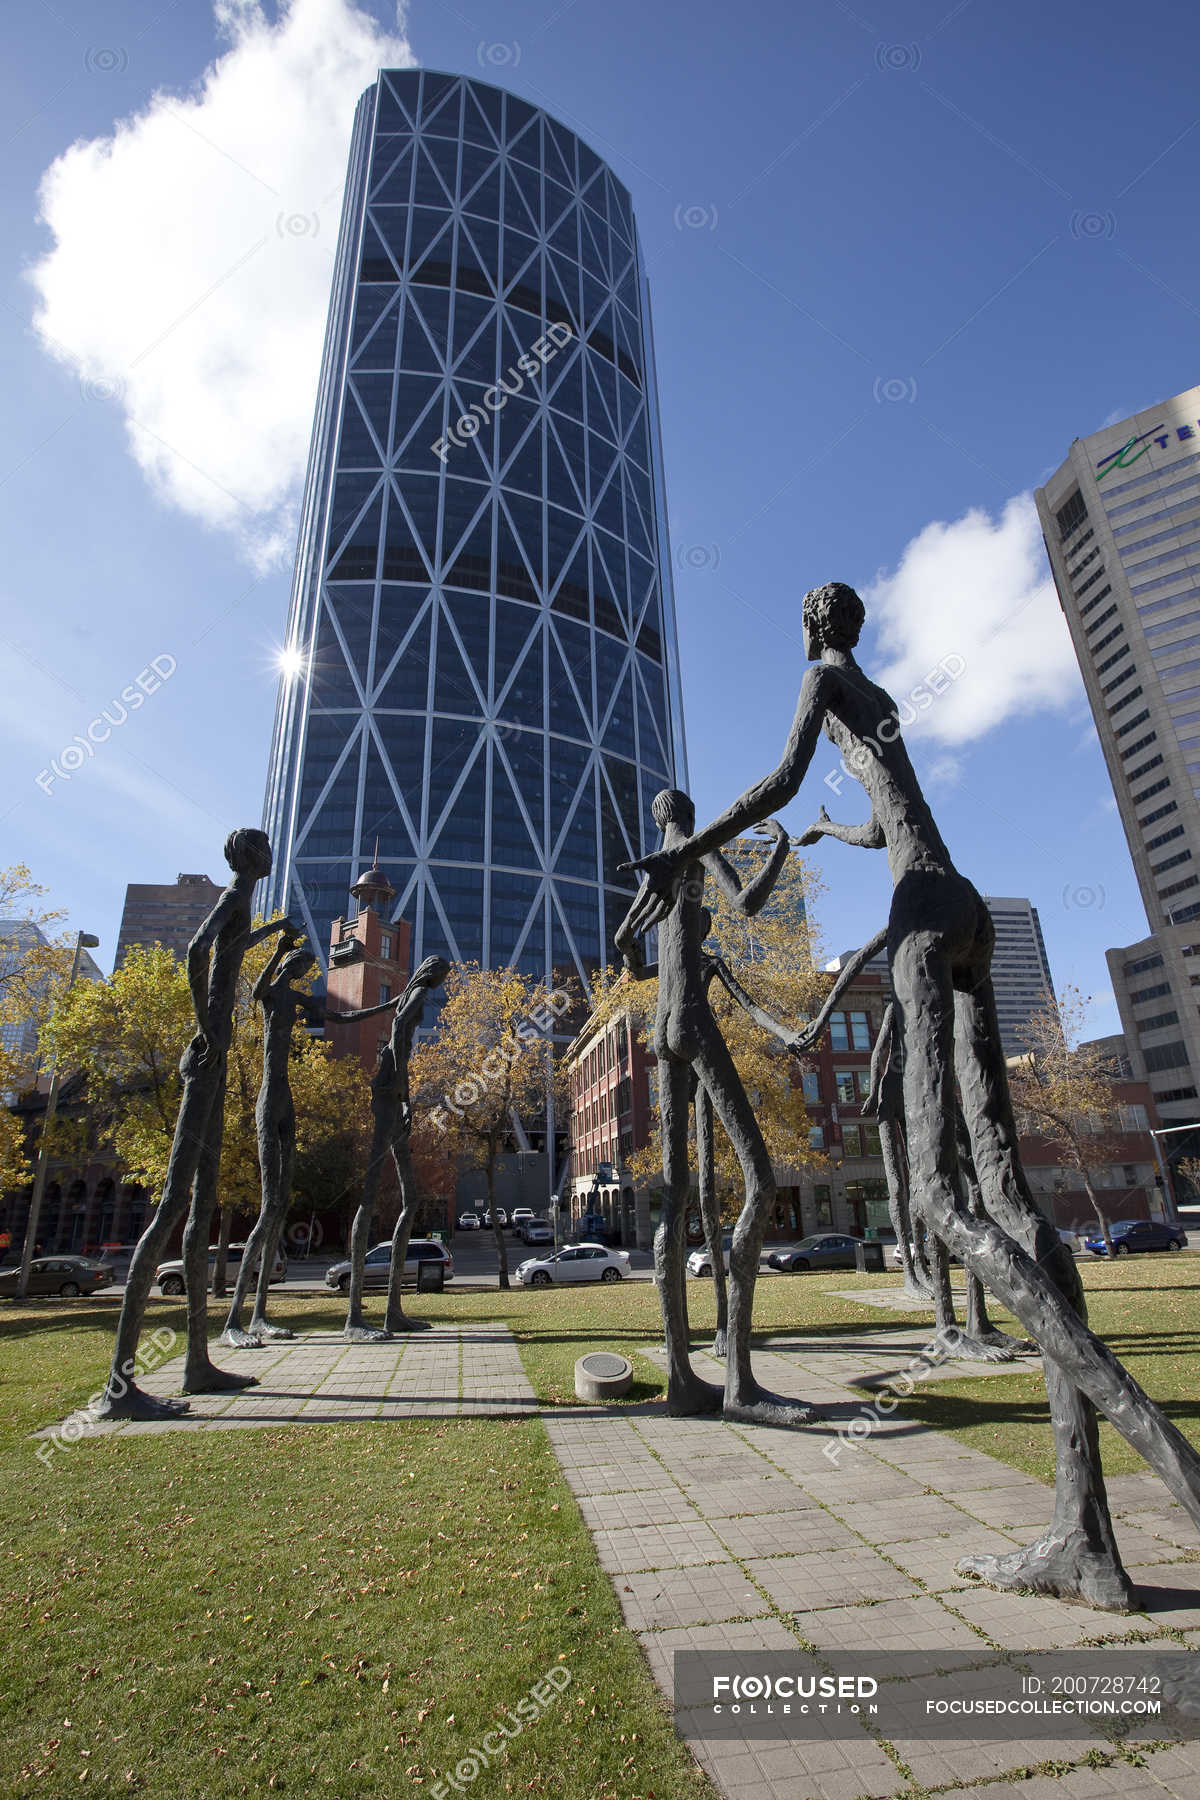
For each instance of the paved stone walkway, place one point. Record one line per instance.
(727, 1538)
(317, 1378)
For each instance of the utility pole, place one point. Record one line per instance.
(83, 941)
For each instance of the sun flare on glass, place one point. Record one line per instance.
(291, 662)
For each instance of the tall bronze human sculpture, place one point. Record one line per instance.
(940, 938)
(214, 961)
(391, 1110)
(282, 1002)
(691, 1049)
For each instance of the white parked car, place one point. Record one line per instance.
(578, 1262)
(700, 1262)
(469, 1221)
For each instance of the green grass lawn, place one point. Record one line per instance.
(343, 1609)
(349, 1609)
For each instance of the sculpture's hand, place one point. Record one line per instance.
(663, 874)
(405, 1116)
(197, 1055)
(814, 831)
(771, 828)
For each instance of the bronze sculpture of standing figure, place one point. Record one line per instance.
(391, 1108)
(214, 961)
(688, 1041)
(940, 939)
(275, 1123)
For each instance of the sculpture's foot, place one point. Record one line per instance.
(366, 1334)
(980, 1349)
(263, 1332)
(694, 1398)
(402, 1322)
(1005, 1340)
(206, 1378)
(235, 1338)
(1070, 1568)
(754, 1405)
(134, 1403)
(719, 1345)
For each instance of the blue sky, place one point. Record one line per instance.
(898, 259)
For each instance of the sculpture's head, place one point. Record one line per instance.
(248, 852)
(431, 974)
(296, 964)
(832, 618)
(673, 807)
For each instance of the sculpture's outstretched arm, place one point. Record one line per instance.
(288, 926)
(810, 1034)
(754, 896)
(663, 868)
(359, 1012)
(733, 987)
(865, 837)
(264, 981)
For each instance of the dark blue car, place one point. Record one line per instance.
(1138, 1234)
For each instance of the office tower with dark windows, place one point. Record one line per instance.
(165, 913)
(481, 671)
(1020, 970)
(1121, 519)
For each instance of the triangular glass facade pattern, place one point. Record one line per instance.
(482, 589)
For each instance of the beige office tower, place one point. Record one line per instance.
(1121, 519)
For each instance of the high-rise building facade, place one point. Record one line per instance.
(1121, 519)
(482, 624)
(165, 913)
(1020, 970)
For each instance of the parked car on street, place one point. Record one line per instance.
(700, 1262)
(1137, 1234)
(823, 1250)
(520, 1216)
(69, 1276)
(469, 1221)
(578, 1262)
(501, 1217)
(378, 1263)
(537, 1232)
(169, 1275)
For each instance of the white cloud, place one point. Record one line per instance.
(193, 250)
(979, 590)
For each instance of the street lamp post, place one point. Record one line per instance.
(83, 941)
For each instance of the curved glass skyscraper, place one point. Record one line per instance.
(482, 598)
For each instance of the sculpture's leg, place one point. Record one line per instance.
(122, 1398)
(1077, 1556)
(276, 1153)
(687, 1393)
(968, 1345)
(891, 1148)
(395, 1318)
(274, 1214)
(745, 1401)
(356, 1329)
(710, 1212)
(201, 1375)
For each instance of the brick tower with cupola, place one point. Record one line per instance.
(368, 964)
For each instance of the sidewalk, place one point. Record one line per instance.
(744, 1538)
